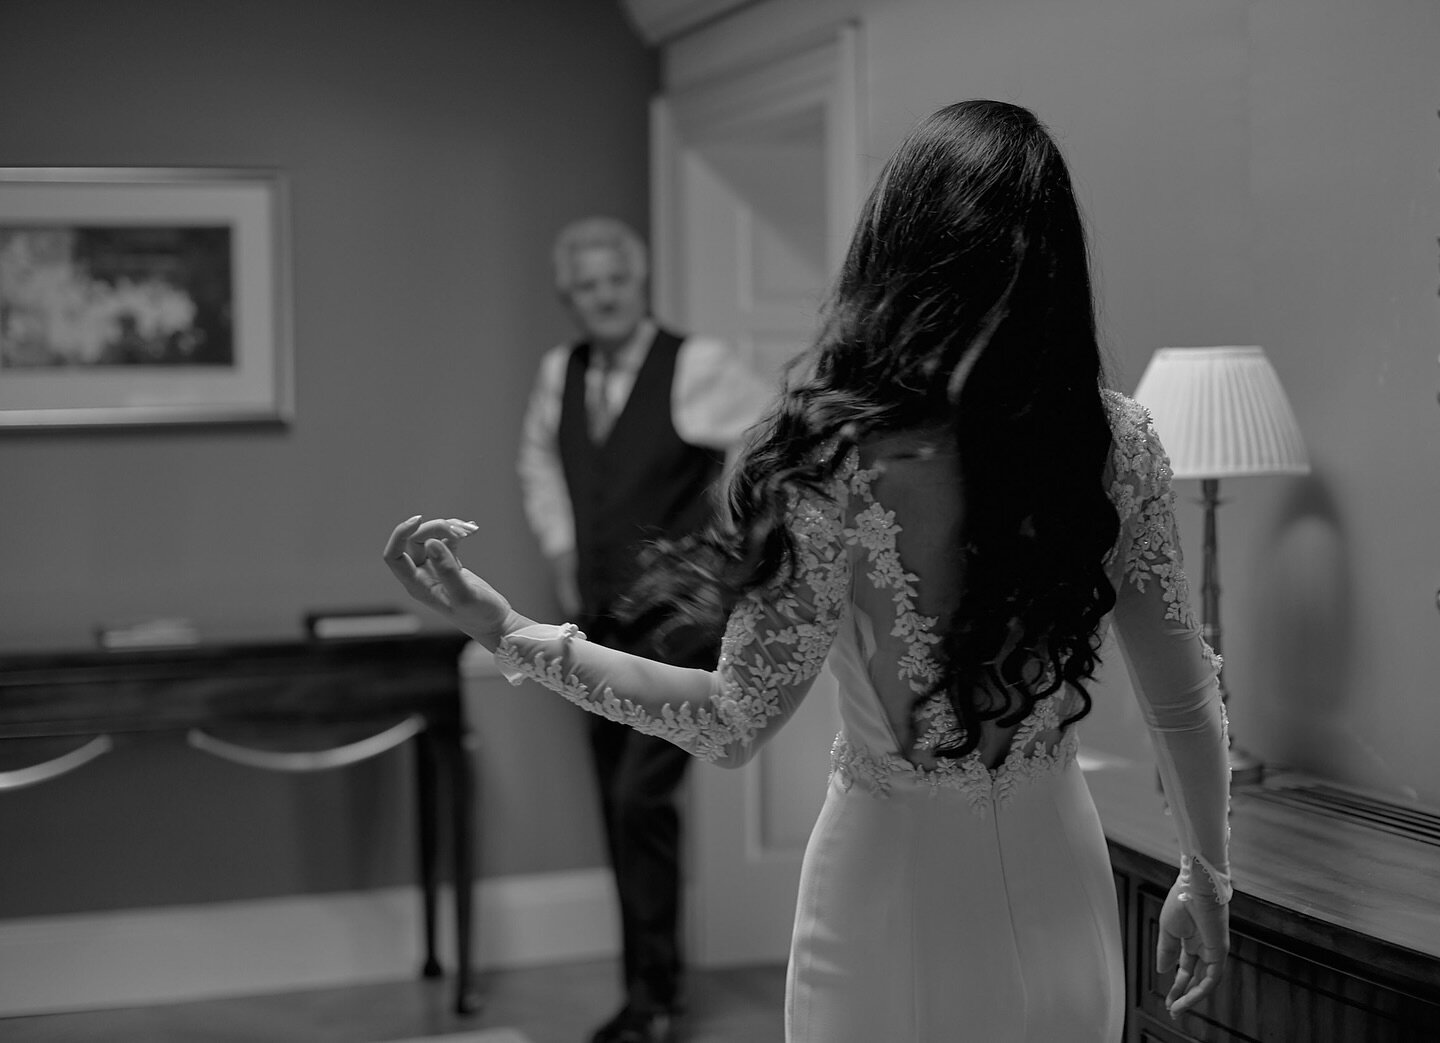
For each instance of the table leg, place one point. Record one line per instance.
(425, 784)
(453, 750)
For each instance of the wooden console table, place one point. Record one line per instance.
(1335, 923)
(406, 688)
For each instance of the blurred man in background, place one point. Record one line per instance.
(623, 441)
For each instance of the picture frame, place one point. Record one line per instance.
(143, 296)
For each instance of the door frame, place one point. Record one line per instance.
(826, 74)
(727, 923)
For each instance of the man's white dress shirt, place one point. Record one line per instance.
(714, 399)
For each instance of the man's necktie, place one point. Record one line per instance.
(601, 414)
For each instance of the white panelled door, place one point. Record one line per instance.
(755, 190)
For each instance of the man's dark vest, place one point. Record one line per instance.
(643, 483)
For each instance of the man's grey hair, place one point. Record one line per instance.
(605, 232)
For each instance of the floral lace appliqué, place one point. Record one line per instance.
(982, 788)
(705, 731)
(1141, 492)
(776, 640)
(876, 531)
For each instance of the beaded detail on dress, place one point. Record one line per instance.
(982, 788)
(1140, 487)
(776, 641)
(876, 532)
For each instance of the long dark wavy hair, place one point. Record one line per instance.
(964, 302)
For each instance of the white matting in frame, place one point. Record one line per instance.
(134, 295)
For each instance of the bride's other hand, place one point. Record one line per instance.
(421, 556)
(1194, 941)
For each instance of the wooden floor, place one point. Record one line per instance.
(557, 1003)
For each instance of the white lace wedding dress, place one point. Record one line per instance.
(940, 899)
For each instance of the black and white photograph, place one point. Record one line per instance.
(720, 521)
(143, 296)
(115, 296)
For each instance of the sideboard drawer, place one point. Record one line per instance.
(1271, 993)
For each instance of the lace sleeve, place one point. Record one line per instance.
(775, 642)
(1173, 669)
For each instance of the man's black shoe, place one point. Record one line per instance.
(637, 1026)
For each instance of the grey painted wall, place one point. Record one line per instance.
(432, 149)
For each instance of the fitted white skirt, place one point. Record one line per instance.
(922, 919)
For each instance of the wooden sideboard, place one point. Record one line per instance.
(1335, 923)
(395, 689)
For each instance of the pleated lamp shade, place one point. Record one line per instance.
(1221, 413)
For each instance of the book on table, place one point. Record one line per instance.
(383, 621)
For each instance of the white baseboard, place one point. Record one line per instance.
(172, 954)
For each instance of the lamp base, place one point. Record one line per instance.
(1245, 769)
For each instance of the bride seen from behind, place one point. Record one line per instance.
(948, 507)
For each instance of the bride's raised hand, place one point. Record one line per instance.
(449, 530)
(422, 559)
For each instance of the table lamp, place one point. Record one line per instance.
(1221, 413)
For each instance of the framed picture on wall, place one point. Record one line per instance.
(134, 295)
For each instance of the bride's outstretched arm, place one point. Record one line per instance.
(774, 646)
